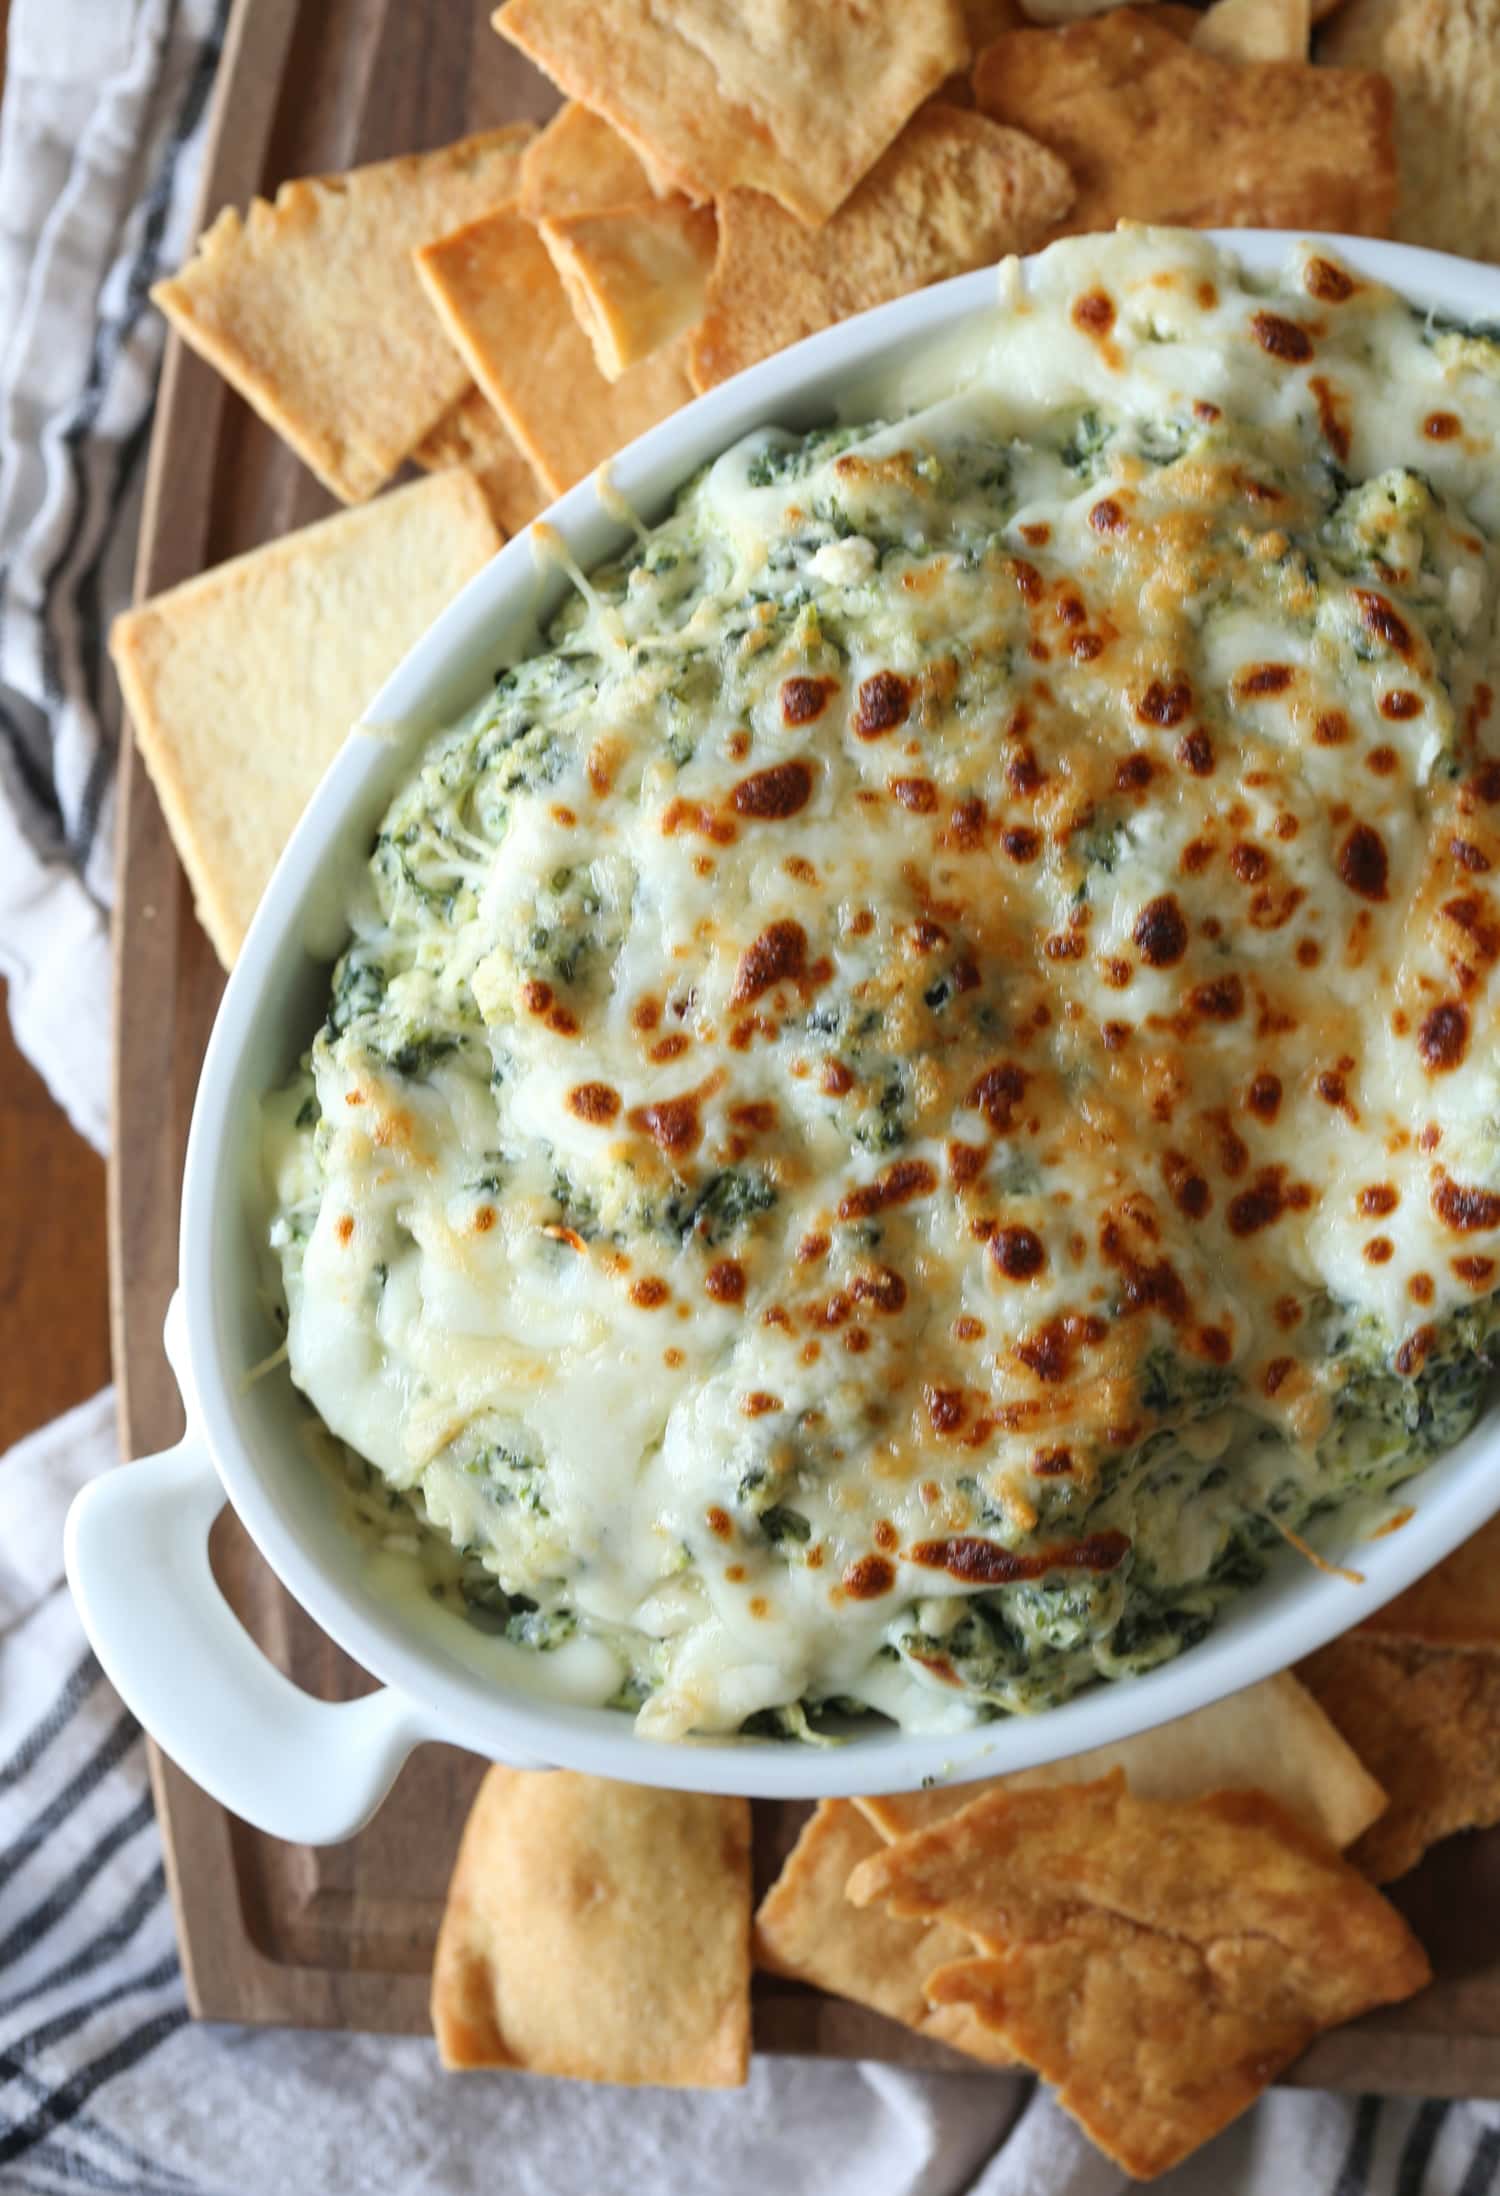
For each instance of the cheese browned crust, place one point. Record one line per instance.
(923, 1085)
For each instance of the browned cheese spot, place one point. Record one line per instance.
(725, 1281)
(986, 1563)
(596, 1103)
(884, 702)
(1195, 751)
(869, 1578)
(769, 796)
(1264, 1096)
(1018, 1252)
(1165, 703)
(1161, 932)
(1264, 678)
(997, 1093)
(882, 1288)
(1467, 1211)
(1362, 862)
(897, 1184)
(1282, 339)
(1333, 417)
(919, 795)
(1444, 1036)
(1379, 617)
(671, 1123)
(1328, 283)
(945, 1409)
(804, 700)
(778, 955)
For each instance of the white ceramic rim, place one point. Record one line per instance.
(1251, 1641)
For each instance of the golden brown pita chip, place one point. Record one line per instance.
(1256, 30)
(1457, 1604)
(579, 165)
(807, 1929)
(1158, 1962)
(1427, 1723)
(472, 434)
(498, 295)
(794, 101)
(636, 276)
(1443, 61)
(1154, 130)
(597, 1930)
(953, 192)
(243, 683)
(310, 308)
(1272, 1738)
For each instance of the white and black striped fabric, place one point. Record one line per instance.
(105, 2084)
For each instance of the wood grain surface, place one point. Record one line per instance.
(53, 1287)
(343, 1936)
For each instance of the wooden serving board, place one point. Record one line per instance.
(343, 1936)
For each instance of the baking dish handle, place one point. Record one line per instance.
(308, 1770)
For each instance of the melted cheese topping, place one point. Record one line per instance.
(923, 1083)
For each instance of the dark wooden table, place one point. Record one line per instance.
(54, 1292)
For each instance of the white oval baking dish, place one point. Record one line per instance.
(137, 1538)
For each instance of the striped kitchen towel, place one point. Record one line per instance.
(105, 2084)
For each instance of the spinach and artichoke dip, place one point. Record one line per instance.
(918, 1090)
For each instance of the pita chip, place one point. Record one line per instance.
(579, 165)
(1255, 30)
(1158, 1962)
(497, 294)
(636, 276)
(953, 192)
(243, 683)
(310, 307)
(1427, 1722)
(472, 433)
(1443, 61)
(1273, 1738)
(806, 1928)
(793, 101)
(1155, 130)
(597, 1930)
(1457, 1604)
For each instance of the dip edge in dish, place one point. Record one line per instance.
(279, 986)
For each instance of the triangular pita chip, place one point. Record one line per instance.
(795, 101)
(597, 1930)
(806, 1928)
(953, 192)
(1158, 1962)
(578, 165)
(1273, 1737)
(243, 683)
(311, 309)
(1443, 61)
(1156, 131)
(1427, 1722)
(636, 276)
(1457, 1604)
(499, 297)
(473, 434)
